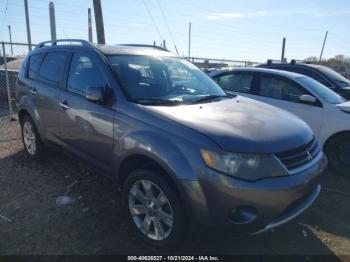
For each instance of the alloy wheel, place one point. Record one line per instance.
(150, 210)
(29, 138)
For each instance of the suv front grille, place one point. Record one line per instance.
(299, 156)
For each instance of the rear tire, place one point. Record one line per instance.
(338, 153)
(32, 143)
(153, 208)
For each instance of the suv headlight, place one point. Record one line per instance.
(230, 163)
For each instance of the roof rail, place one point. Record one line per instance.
(70, 41)
(149, 46)
(294, 61)
(271, 61)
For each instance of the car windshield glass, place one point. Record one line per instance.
(321, 91)
(164, 80)
(339, 80)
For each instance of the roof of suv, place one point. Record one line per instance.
(121, 49)
(274, 65)
(261, 70)
(132, 50)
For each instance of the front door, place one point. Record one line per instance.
(285, 93)
(87, 127)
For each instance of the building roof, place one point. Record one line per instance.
(14, 64)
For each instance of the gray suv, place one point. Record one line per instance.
(183, 151)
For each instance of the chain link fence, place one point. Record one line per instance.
(11, 58)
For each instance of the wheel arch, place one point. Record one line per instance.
(142, 160)
(332, 137)
(22, 112)
(25, 112)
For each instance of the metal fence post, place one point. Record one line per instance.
(7, 81)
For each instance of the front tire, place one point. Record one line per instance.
(153, 208)
(31, 139)
(338, 153)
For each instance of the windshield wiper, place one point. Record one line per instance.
(210, 98)
(156, 101)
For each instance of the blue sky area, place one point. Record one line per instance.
(241, 29)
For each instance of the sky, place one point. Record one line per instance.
(250, 30)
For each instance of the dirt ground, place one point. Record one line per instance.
(32, 223)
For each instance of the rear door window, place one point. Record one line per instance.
(34, 64)
(236, 82)
(52, 68)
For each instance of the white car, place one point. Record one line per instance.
(327, 113)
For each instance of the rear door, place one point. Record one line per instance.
(45, 88)
(285, 93)
(87, 127)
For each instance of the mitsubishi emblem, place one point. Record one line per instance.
(309, 156)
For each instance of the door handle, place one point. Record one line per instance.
(33, 91)
(64, 105)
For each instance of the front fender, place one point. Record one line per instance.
(168, 152)
(179, 158)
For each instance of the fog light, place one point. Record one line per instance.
(242, 215)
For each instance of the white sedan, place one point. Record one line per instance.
(327, 113)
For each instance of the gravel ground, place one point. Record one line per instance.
(32, 223)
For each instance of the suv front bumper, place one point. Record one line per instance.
(253, 207)
(293, 211)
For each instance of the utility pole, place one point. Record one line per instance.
(324, 43)
(89, 25)
(28, 26)
(52, 21)
(10, 39)
(283, 49)
(189, 40)
(177, 51)
(99, 22)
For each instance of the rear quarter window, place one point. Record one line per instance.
(34, 64)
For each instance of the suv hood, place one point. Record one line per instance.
(241, 124)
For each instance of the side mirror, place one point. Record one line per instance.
(94, 94)
(307, 99)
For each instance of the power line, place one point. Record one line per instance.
(153, 21)
(209, 11)
(3, 20)
(167, 25)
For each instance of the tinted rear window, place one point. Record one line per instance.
(34, 64)
(52, 68)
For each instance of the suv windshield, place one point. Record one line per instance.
(164, 80)
(321, 91)
(339, 80)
